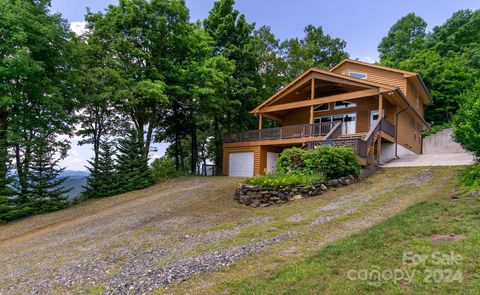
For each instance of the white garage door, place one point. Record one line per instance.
(241, 164)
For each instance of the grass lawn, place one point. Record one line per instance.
(442, 231)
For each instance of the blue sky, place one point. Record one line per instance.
(362, 24)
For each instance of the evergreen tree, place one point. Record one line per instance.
(102, 179)
(132, 165)
(45, 186)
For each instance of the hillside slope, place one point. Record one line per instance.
(157, 237)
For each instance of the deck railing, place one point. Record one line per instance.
(359, 144)
(286, 132)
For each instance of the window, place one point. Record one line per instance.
(344, 105)
(418, 102)
(357, 75)
(374, 117)
(322, 107)
(349, 125)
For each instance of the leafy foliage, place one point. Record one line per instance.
(448, 58)
(470, 177)
(291, 161)
(332, 162)
(285, 180)
(466, 124)
(403, 38)
(164, 168)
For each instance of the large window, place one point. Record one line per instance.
(344, 105)
(357, 75)
(349, 124)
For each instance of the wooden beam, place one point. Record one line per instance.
(380, 106)
(272, 117)
(312, 96)
(379, 148)
(260, 122)
(311, 114)
(322, 100)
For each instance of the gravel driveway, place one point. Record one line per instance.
(145, 240)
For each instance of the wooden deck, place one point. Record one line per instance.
(283, 133)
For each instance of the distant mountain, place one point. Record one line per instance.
(68, 173)
(75, 181)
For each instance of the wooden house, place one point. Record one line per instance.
(376, 110)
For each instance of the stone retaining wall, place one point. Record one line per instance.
(255, 196)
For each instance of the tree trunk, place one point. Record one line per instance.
(194, 149)
(218, 146)
(3, 151)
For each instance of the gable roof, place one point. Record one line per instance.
(406, 74)
(312, 71)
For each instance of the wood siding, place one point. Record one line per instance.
(363, 109)
(409, 133)
(259, 156)
(375, 75)
(411, 95)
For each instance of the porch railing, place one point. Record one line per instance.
(285, 132)
(359, 144)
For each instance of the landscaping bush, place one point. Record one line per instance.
(332, 162)
(470, 176)
(291, 161)
(285, 180)
(466, 123)
(164, 168)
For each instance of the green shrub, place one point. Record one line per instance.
(466, 123)
(291, 161)
(285, 180)
(470, 176)
(332, 162)
(164, 168)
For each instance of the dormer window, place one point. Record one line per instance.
(322, 107)
(357, 75)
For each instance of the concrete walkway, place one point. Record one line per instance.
(451, 159)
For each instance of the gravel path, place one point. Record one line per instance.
(144, 279)
(141, 241)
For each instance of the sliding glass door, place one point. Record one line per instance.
(349, 122)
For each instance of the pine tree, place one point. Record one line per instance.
(102, 180)
(132, 165)
(45, 191)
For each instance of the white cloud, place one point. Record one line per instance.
(78, 28)
(369, 59)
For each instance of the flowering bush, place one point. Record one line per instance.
(285, 180)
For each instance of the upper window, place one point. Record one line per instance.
(322, 107)
(357, 75)
(344, 105)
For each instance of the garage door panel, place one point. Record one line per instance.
(241, 164)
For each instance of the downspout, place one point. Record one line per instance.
(396, 129)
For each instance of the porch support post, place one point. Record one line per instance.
(380, 106)
(260, 121)
(312, 96)
(379, 148)
(371, 156)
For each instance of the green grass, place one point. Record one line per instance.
(382, 248)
